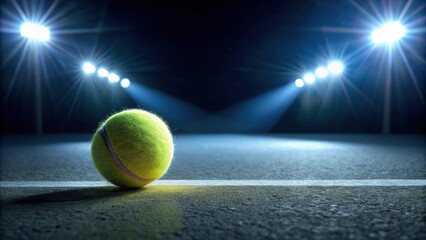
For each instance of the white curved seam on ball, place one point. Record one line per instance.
(120, 164)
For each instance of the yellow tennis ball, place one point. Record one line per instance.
(132, 148)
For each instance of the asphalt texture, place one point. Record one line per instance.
(238, 212)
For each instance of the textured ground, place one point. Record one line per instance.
(257, 212)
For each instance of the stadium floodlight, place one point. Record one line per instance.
(321, 72)
(102, 72)
(388, 33)
(125, 83)
(35, 31)
(112, 77)
(309, 78)
(299, 83)
(89, 68)
(335, 67)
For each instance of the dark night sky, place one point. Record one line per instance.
(213, 55)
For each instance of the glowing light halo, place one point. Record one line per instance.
(35, 31)
(299, 83)
(335, 67)
(102, 72)
(125, 83)
(114, 78)
(321, 72)
(388, 33)
(89, 68)
(309, 78)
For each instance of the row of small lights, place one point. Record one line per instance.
(89, 68)
(333, 68)
(388, 33)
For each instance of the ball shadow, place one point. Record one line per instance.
(80, 194)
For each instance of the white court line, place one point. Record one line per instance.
(207, 183)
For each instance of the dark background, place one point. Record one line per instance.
(213, 55)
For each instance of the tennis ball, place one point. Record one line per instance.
(132, 148)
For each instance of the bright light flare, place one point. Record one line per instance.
(89, 68)
(388, 33)
(321, 72)
(125, 83)
(112, 77)
(335, 67)
(309, 78)
(35, 31)
(299, 83)
(102, 72)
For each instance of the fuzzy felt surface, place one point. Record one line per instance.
(142, 141)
